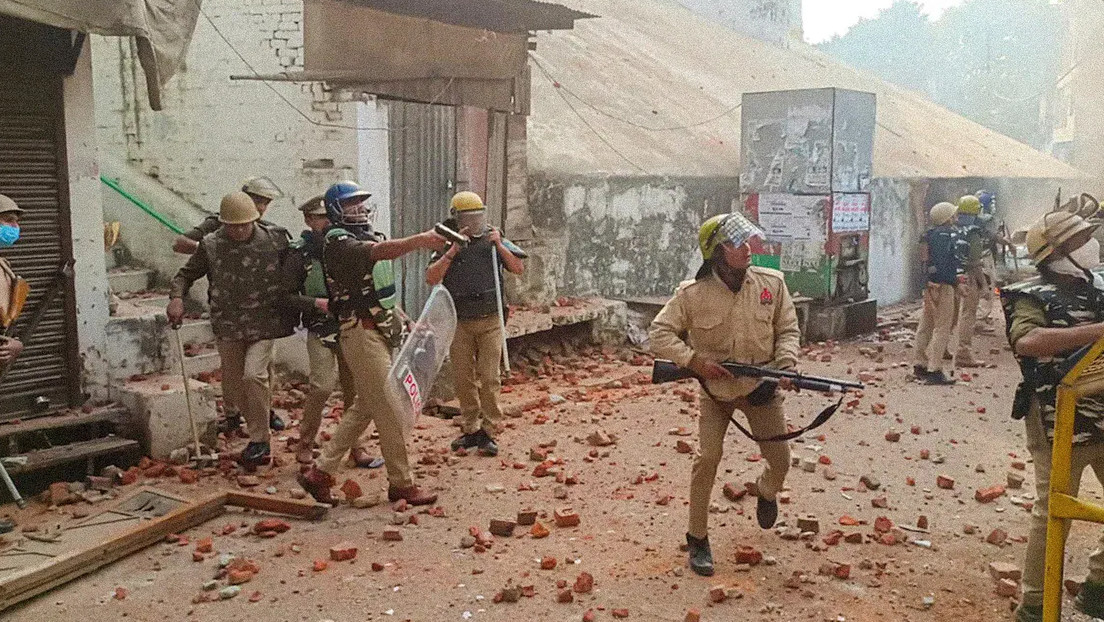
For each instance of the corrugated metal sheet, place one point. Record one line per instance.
(423, 177)
(32, 171)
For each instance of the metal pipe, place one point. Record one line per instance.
(114, 185)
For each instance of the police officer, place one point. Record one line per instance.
(1048, 319)
(310, 298)
(942, 251)
(980, 247)
(731, 312)
(242, 261)
(9, 233)
(476, 351)
(262, 190)
(361, 283)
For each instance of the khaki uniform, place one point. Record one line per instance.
(246, 292)
(979, 248)
(942, 298)
(367, 352)
(476, 354)
(1033, 304)
(756, 325)
(7, 287)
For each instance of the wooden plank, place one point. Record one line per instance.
(61, 454)
(34, 581)
(265, 503)
(61, 421)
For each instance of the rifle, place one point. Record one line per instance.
(666, 371)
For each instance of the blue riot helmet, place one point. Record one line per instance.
(342, 206)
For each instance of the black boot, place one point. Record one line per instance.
(255, 454)
(766, 512)
(1090, 600)
(701, 556)
(231, 422)
(487, 445)
(466, 441)
(275, 423)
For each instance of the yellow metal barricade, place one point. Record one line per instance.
(1086, 378)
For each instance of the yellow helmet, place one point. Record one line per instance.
(969, 205)
(237, 208)
(262, 187)
(942, 213)
(735, 228)
(1052, 231)
(467, 202)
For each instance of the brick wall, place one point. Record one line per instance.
(214, 131)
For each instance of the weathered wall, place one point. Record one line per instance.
(618, 237)
(86, 221)
(214, 132)
(894, 263)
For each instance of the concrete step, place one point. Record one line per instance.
(128, 279)
(62, 454)
(159, 413)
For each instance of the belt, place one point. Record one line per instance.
(368, 323)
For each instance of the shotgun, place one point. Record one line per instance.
(666, 371)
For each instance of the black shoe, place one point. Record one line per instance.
(255, 454)
(275, 422)
(230, 423)
(1090, 599)
(6, 525)
(920, 372)
(701, 556)
(938, 378)
(466, 441)
(766, 512)
(487, 445)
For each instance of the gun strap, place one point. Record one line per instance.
(820, 420)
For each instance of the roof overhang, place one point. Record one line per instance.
(162, 29)
(457, 52)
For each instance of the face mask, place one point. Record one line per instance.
(8, 235)
(474, 222)
(356, 214)
(1087, 255)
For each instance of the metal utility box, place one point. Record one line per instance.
(807, 161)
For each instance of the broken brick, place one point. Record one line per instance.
(683, 447)
(880, 502)
(319, 565)
(584, 583)
(502, 528)
(539, 531)
(748, 555)
(718, 594)
(871, 482)
(1007, 588)
(271, 524)
(922, 522)
(808, 523)
(997, 537)
(985, 495)
(882, 524)
(945, 482)
(548, 563)
(352, 490)
(205, 545)
(566, 517)
(733, 493)
(620, 613)
(187, 476)
(392, 535)
(853, 538)
(1015, 480)
(238, 576)
(343, 552)
(893, 436)
(1004, 570)
(565, 596)
(693, 615)
(526, 518)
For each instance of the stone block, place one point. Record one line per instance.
(159, 416)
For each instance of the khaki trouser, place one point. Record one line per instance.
(1035, 555)
(476, 355)
(246, 382)
(327, 367)
(971, 293)
(766, 420)
(369, 357)
(936, 325)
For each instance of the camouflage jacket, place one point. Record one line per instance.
(247, 284)
(1040, 303)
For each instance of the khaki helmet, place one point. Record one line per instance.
(314, 207)
(969, 205)
(8, 205)
(1052, 231)
(262, 187)
(467, 202)
(942, 213)
(735, 228)
(237, 208)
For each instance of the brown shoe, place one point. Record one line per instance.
(317, 483)
(412, 494)
(365, 460)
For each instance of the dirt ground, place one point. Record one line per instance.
(632, 499)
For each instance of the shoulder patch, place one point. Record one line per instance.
(769, 272)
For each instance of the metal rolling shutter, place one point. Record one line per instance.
(33, 172)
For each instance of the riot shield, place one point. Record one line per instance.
(415, 367)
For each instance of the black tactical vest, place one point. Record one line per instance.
(1064, 307)
(470, 280)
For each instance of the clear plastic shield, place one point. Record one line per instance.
(414, 369)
